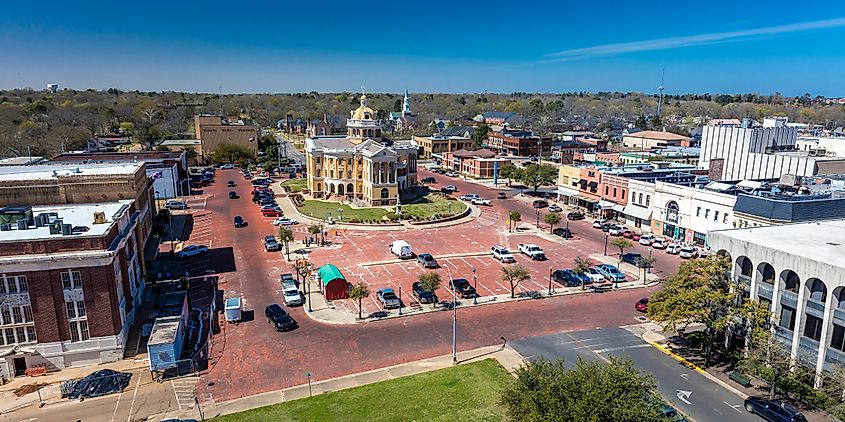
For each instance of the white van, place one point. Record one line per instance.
(401, 249)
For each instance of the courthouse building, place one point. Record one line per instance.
(361, 166)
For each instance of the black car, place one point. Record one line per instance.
(540, 203)
(463, 288)
(267, 201)
(233, 195)
(773, 410)
(231, 184)
(428, 180)
(239, 221)
(575, 215)
(606, 227)
(424, 296)
(280, 319)
(260, 196)
(562, 232)
(632, 258)
(570, 278)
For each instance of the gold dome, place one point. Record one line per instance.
(364, 112)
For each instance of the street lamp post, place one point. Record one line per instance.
(538, 218)
(606, 235)
(454, 319)
(475, 286)
(308, 375)
(400, 300)
(340, 214)
(550, 281)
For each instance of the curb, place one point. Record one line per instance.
(695, 367)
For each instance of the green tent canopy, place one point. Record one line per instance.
(333, 283)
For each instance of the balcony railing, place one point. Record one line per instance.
(808, 349)
(743, 280)
(789, 299)
(815, 308)
(840, 315)
(765, 290)
(783, 335)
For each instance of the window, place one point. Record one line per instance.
(838, 340)
(13, 284)
(647, 199)
(787, 317)
(71, 280)
(18, 325)
(715, 215)
(725, 219)
(79, 330)
(707, 213)
(813, 328)
(698, 212)
(606, 190)
(641, 199)
(614, 192)
(17, 315)
(27, 313)
(623, 193)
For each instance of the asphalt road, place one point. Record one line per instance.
(698, 397)
(291, 151)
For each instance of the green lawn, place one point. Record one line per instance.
(467, 392)
(320, 209)
(295, 185)
(434, 204)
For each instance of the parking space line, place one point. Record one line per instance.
(538, 284)
(388, 271)
(481, 261)
(488, 290)
(378, 305)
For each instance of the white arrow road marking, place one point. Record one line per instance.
(734, 406)
(685, 376)
(684, 396)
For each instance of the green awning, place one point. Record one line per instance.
(328, 273)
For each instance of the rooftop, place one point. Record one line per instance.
(75, 215)
(55, 171)
(817, 241)
(654, 134)
(20, 161)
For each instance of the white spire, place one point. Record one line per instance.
(406, 104)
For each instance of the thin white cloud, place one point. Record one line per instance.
(691, 40)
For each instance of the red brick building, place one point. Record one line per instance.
(480, 163)
(70, 281)
(521, 143)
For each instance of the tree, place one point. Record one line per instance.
(513, 217)
(551, 219)
(701, 292)
(316, 230)
(286, 236)
(510, 172)
(479, 137)
(646, 262)
(231, 153)
(641, 122)
(592, 391)
(190, 153)
(622, 244)
(430, 281)
(513, 275)
(581, 265)
(536, 175)
(359, 292)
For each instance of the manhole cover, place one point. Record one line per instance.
(641, 318)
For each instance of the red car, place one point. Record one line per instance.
(635, 236)
(627, 234)
(261, 190)
(642, 305)
(271, 213)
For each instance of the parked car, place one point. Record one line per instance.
(271, 212)
(387, 298)
(462, 288)
(428, 180)
(280, 319)
(501, 195)
(628, 234)
(273, 206)
(688, 252)
(502, 254)
(659, 243)
(192, 250)
(773, 410)
(636, 237)
(233, 195)
(271, 244)
(231, 184)
(671, 415)
(646, 239)
(641, 305)
(632, 258)
(606, 227)
(227, 166)
(555, 208)
(570, 278)
(562, 232)
(575, 215)
(533, 251)
(267, 201)
(598, 224)
(291, 294)
(448, 189)
(611, 273)
(540, 203)
(616, 230)
(422, 295)
(594, 275)
(452, 174)
(239, 221)
(427, 260)
(703, 252)
(285, 221)
(175, 205)
(248, 176)
(481, 201)
(673, 249)
(469, 197)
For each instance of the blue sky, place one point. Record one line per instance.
(458, 46)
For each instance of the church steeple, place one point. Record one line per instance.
(406, 105)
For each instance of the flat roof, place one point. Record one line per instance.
(74, 214)
(822, 241)
(54, 171)
(20, 161)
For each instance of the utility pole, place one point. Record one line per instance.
(660, 99)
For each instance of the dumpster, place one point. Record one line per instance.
(233, 309)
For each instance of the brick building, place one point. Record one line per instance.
(481, 163)
(70, 280)
(522, 143)
(215, 130)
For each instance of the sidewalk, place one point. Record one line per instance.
(506, 356)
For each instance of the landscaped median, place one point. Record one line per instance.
(468, 392)
(430, 207)
(294, 185)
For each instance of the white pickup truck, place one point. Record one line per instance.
(533, 251)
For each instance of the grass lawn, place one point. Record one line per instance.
(434, 204)
(321, 209)
(295, 185)
(467, 392)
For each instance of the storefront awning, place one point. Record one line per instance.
(618, 208)
(565, 191)
(635, 211)
(587, 200)
(606, 204)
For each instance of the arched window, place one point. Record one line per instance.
(672, 212)
(641, 198)
(385, 193)
(818, 291)
(647, 200)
